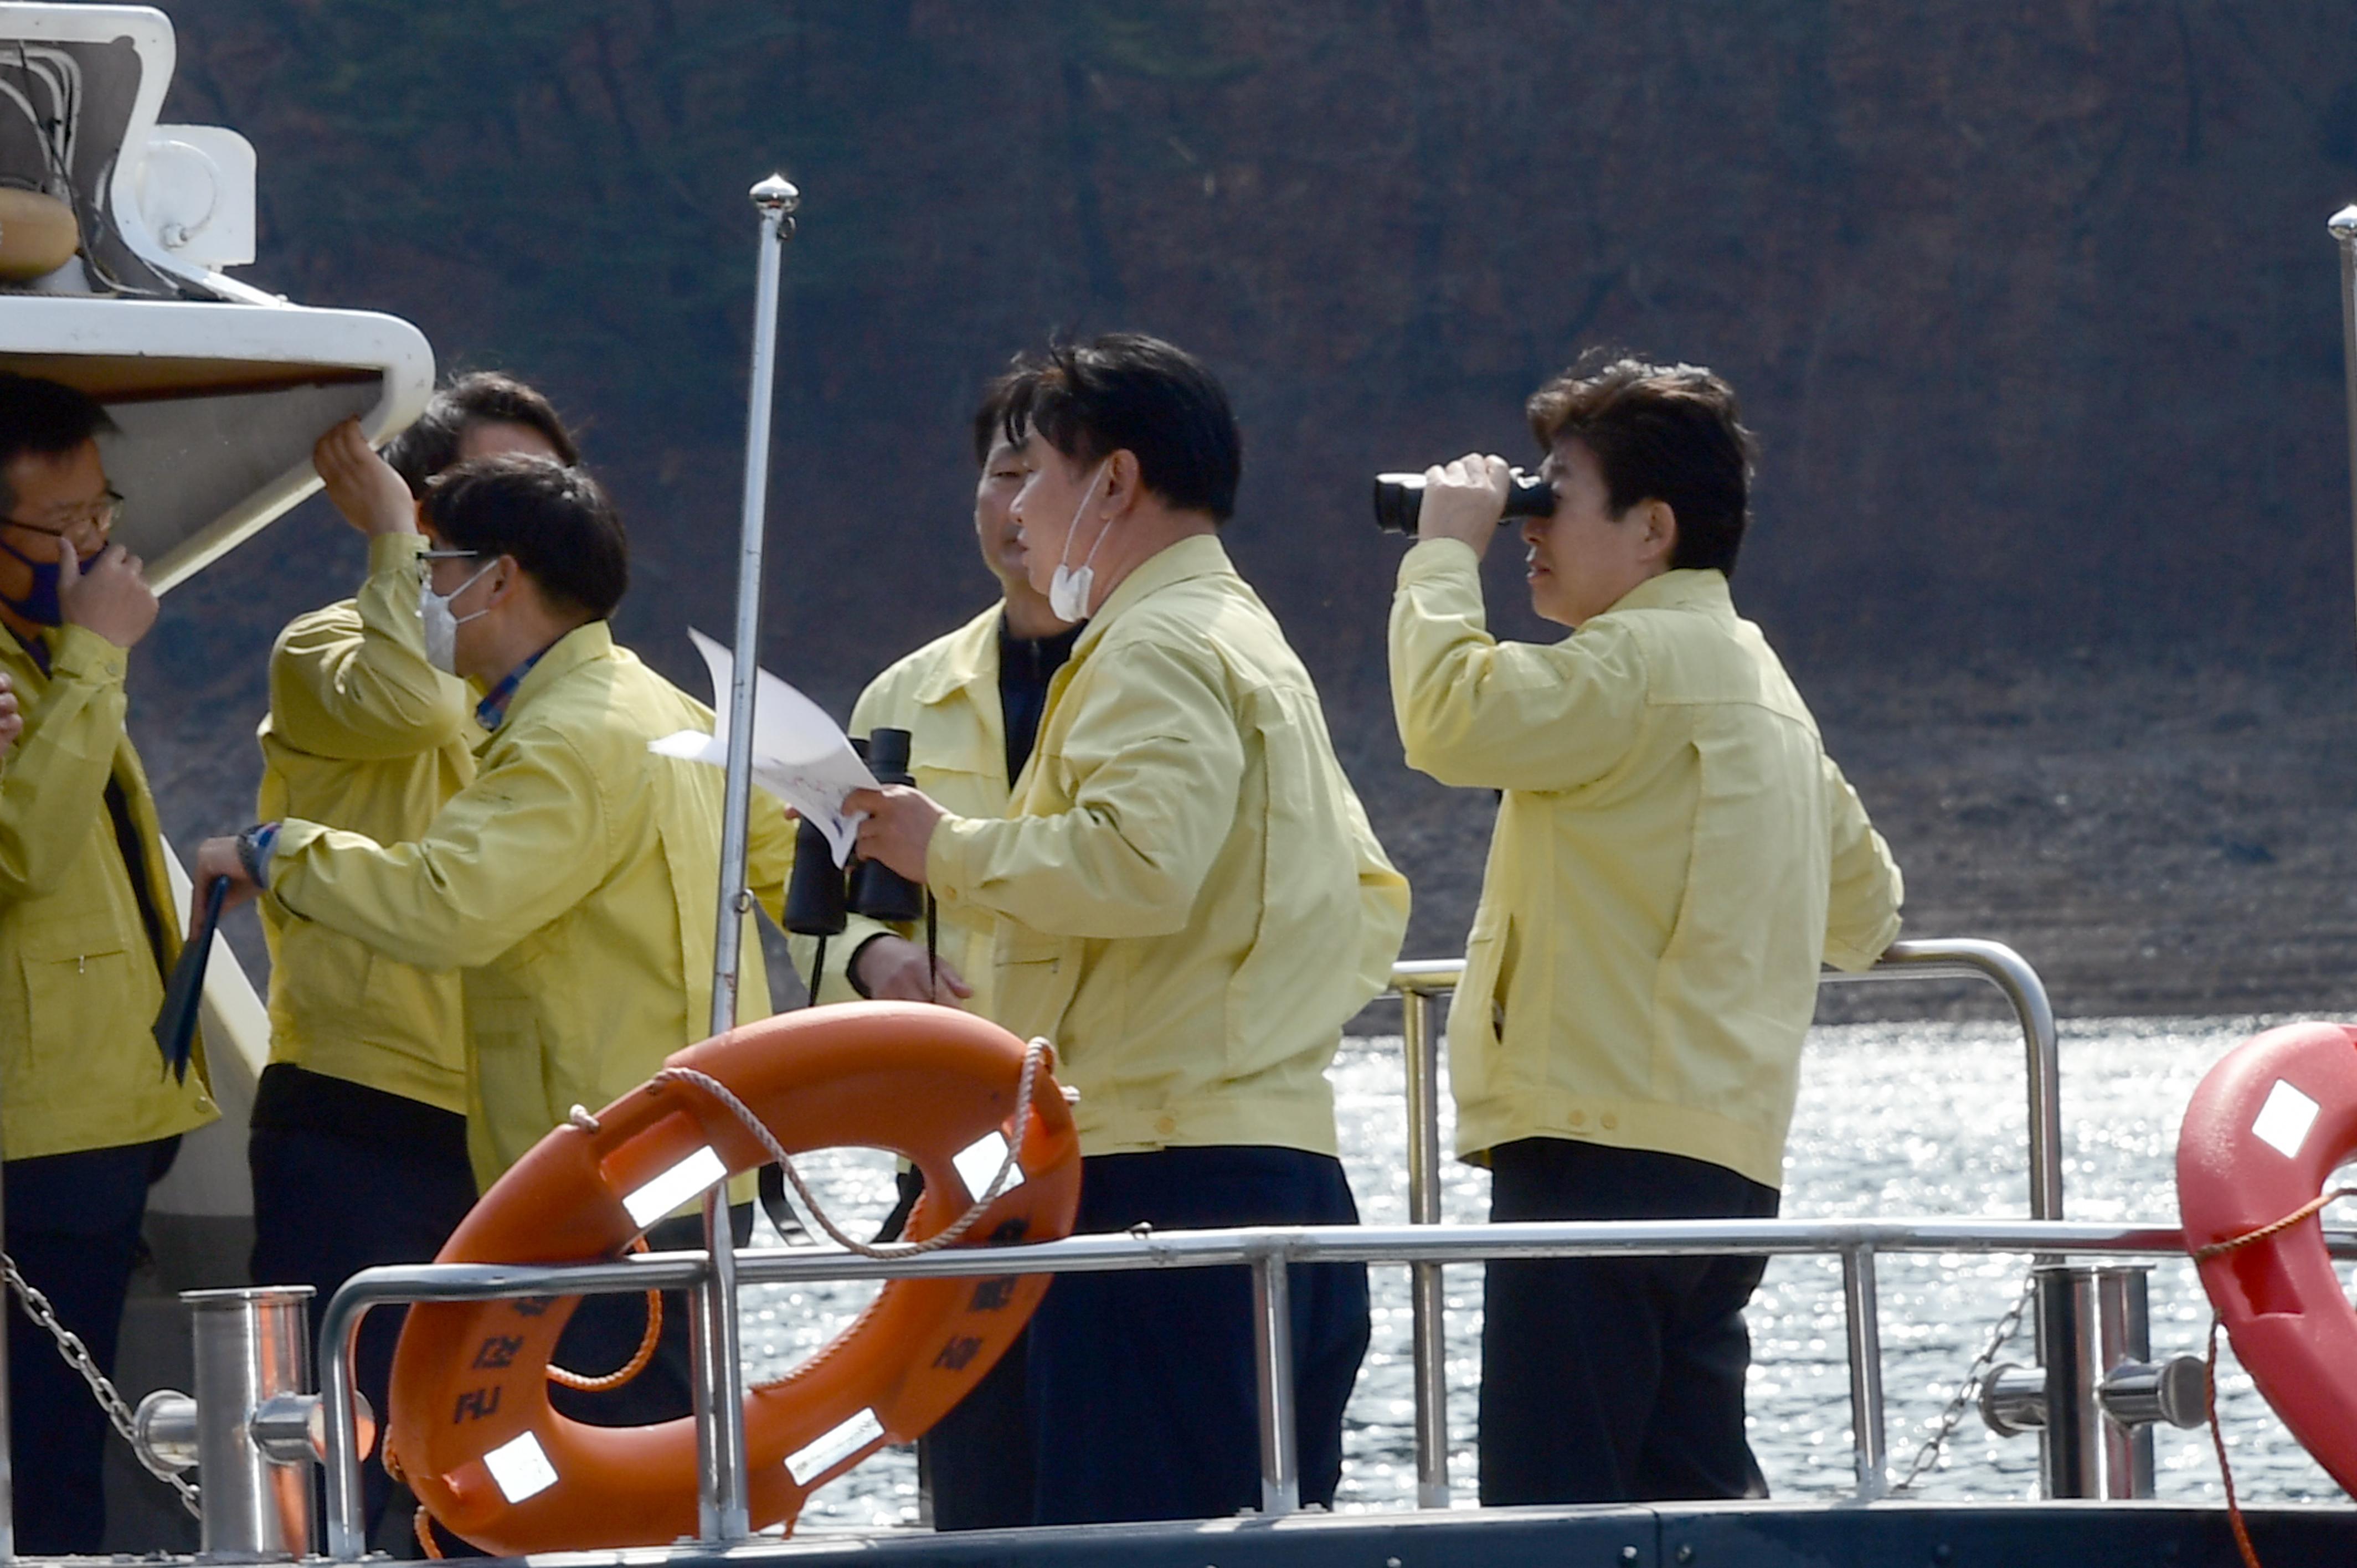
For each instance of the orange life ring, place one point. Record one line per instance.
(2262, 1135)
(469, 1414)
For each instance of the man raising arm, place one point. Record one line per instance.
(1674, 856)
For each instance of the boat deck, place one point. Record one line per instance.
(1688, 1535)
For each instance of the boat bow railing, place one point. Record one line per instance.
(2074, 1428)
(1266, 1251)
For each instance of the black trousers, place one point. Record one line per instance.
(73, 1228)
(347, 1177)
(1615, 1380)
(1142, 1402)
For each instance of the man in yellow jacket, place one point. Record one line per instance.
(971, 703)
(575, 881)
(359, 1144)
(89, 1113)
(1190, 904)
(1674, 856)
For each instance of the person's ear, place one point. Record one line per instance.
(507, 580)
(1661, 536)
(1123, 483)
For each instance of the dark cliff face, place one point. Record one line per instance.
(2033, 307)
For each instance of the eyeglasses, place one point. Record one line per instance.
(99, 516)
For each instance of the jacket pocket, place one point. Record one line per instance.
(78, 1012)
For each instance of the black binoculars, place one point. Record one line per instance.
(1400, 497)
(820, 894)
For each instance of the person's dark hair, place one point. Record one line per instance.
(1665, 433)
(1127, 392)
(555, 519)
(479, 397)
(47, 418)
(990, 420)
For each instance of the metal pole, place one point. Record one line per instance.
(7, 1461)
(2071, 1444)
(1420, 1043)
(251, 1345)
(2123, 1335)
(2343, 225)
(1280, 1478)
(1862, 1318)
(339, 1453)
(721, 1511)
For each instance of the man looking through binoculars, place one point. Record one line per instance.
(1675, 857)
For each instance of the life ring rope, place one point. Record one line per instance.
(2306, 1210)
(1034, 1055)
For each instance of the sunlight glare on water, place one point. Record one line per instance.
(1895, 1120)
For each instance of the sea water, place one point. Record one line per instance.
(1895, 1120)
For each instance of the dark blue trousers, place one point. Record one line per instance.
(348, 1178)
(1615, 1380)
(73, 1228)
(1142, 1402)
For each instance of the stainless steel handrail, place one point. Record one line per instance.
(1420, 984)
(1266, 1250)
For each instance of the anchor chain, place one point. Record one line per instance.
(75, 1354)
(1928, 1456)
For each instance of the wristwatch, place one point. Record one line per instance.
(253, 847)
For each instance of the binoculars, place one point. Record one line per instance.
(820, 894)
(1400, 497)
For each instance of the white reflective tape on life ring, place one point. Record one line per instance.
(2283, 1121)
(692, 1177)
(979, 1161)
(816, 1458)
(520, 1468)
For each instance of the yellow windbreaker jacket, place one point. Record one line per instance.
(576, 879)
(364, 733)
(1674, 856)
(79, 983)
(1189, 902)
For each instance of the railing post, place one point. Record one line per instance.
(340, 1428)
(7, 1459)
(1862, 1319)
(2343, 225)
(1280, 1478)
(1420, 1043)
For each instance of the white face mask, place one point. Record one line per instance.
(441, 626)
(1069, 591)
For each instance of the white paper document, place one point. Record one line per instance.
(800, 755)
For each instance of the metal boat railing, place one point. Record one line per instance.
(2074, 1421)
(2068, 1458)
(1265, 1250)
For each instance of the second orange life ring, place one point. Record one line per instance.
(2262, 1136)
(469, 1414)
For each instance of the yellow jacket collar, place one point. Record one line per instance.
(582, 645)
(969, 658)
(1201, 556)
(1679, 590)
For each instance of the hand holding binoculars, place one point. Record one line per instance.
(1400, 497)
(821, 896)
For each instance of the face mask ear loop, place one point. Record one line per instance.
(1063, 556)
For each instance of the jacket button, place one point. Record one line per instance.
(1610, 1120)
(1579, 1118)
(1165, 1126)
